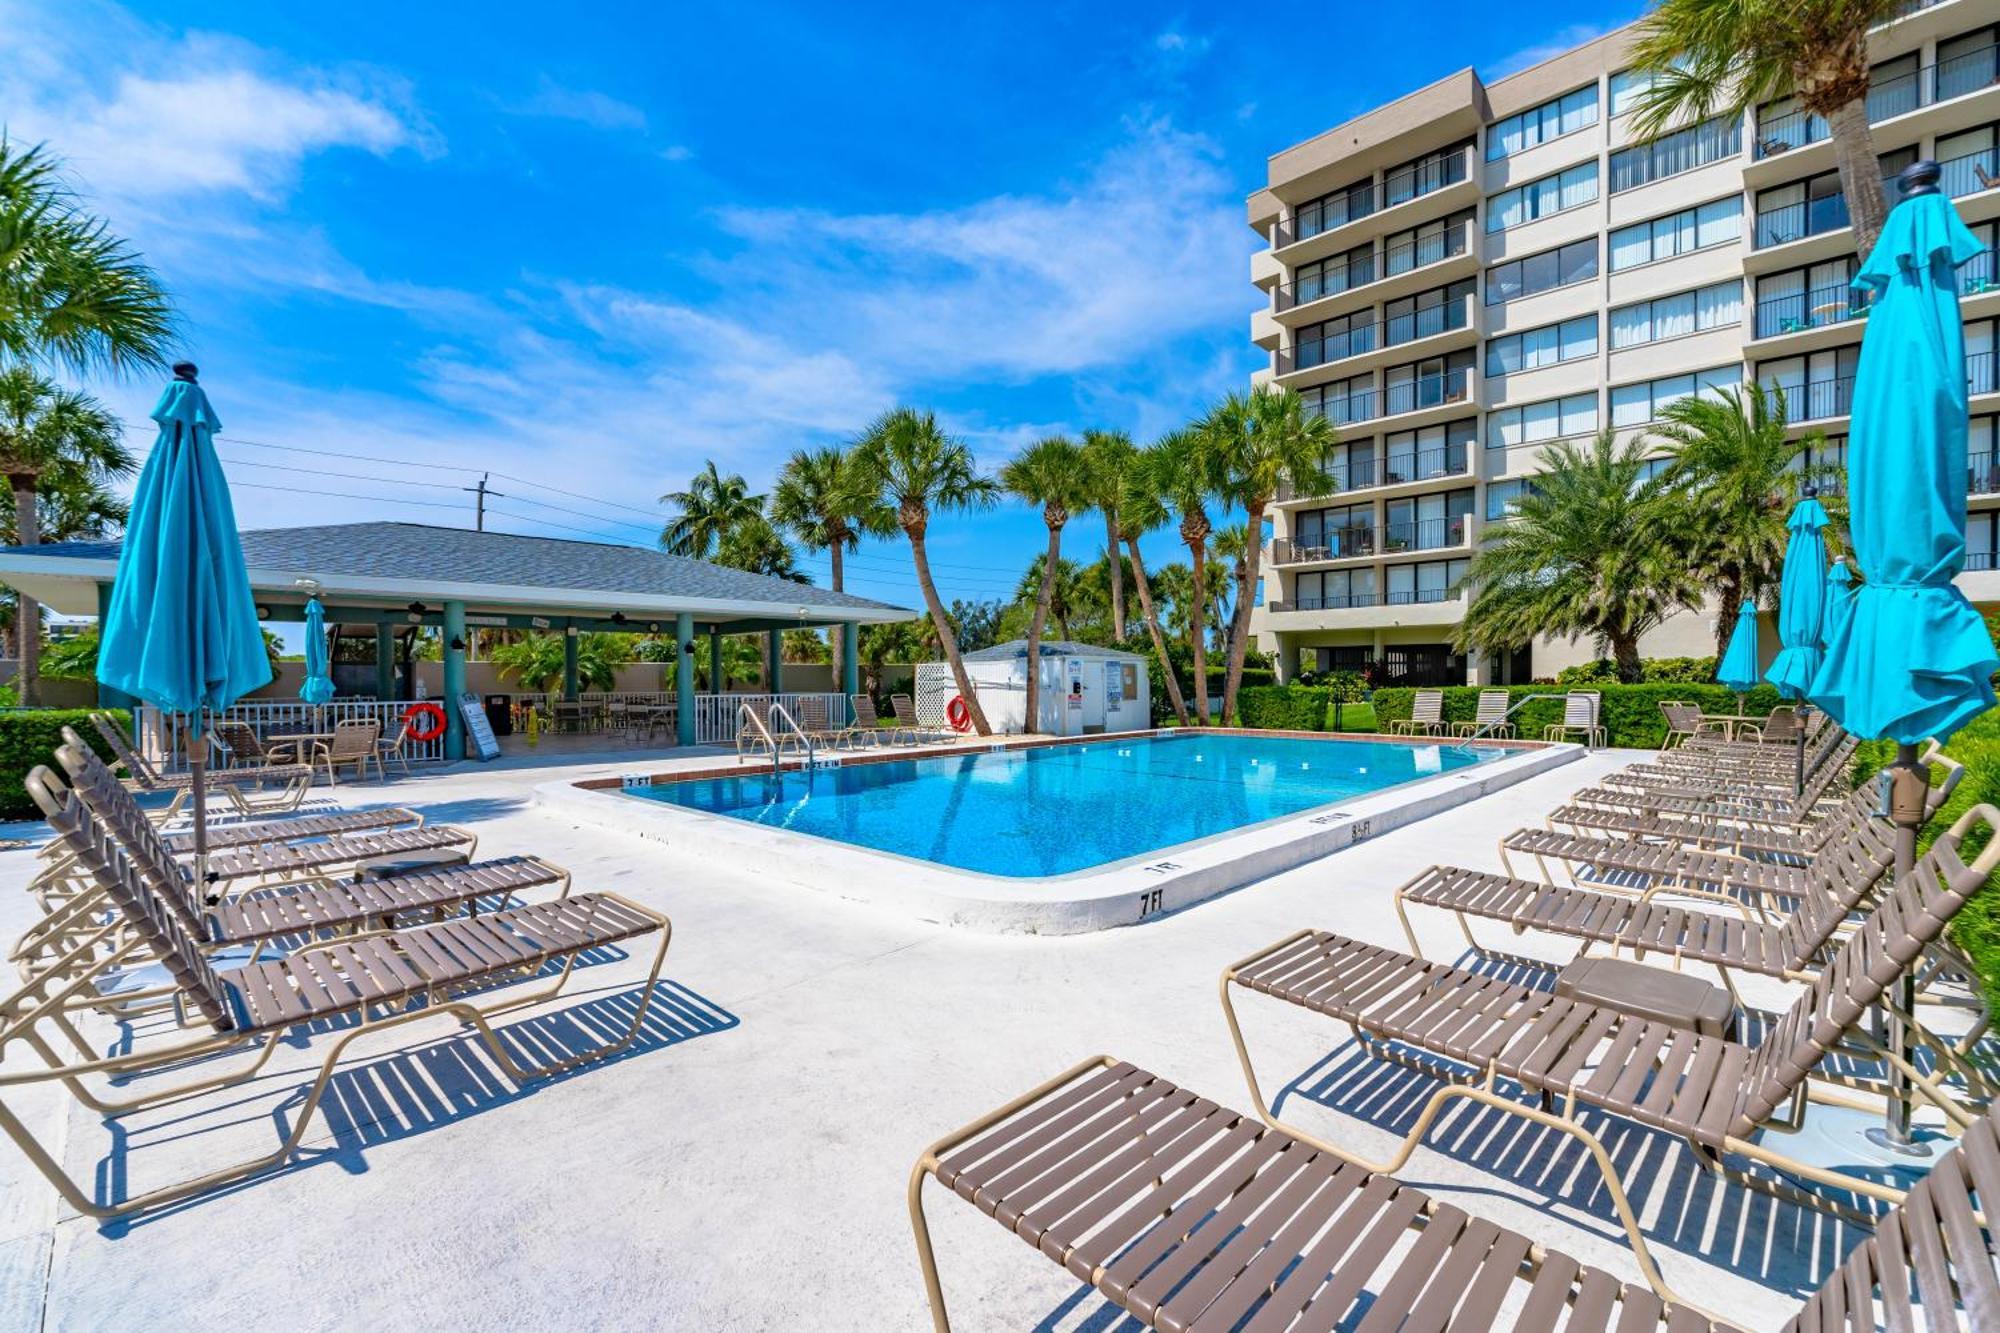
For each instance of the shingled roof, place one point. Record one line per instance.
(397, 557)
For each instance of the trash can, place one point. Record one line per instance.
(500, 714)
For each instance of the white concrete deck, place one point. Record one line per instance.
(744, 1167)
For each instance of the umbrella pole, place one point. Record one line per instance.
(198, 792)
(1909, 789)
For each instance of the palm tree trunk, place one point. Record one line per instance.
(834, 560)
(1239, 622)
(1198, 628)
(27, 611)
(1035, 627)
(1860, 173)
(1145, 592)
(1625, 652)
(947, 640)
(1117, 576)
(1729, 600)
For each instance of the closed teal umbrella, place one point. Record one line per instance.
(181, 631)
(1839, 602)
(317, 687)
(1911, 660)
(1801, 601)
(1738, 670)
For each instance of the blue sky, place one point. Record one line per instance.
(591, 250)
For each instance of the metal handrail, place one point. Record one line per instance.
(746, 711)
(1506, 719)
(804, 738)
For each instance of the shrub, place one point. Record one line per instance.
(30, 737)
(1631, 713)
(1652, 671)
(1283, 707)
(1348, 686)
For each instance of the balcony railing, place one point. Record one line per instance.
(1422, 178)
(1403, 257)
(1816, 400)
(1811, 309)
(1964, 73)
(1795, 222)
(1412, 182)
(1982, 474)
(1453, 386)
(1352, 476)
(1358, 272)
(1970, 173)
(1422, 596)
(1423, 251)
(1345, 409)
(1425, 464)
(1429, 534)
(1360, 339)
(1978, 274)
(1979, 377)
(1976, 561)
(1347, 603)
(1334, 544)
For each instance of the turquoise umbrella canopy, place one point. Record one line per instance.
(181, 631)
(1839, 601)
(1912, 659)
(1801, 600)
(1738, 670)
(317, 687)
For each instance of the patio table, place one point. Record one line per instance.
(1731, 721)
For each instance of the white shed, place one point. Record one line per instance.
(1085, 690)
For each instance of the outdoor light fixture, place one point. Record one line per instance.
(617, 617)
(652, 627)
(457, 644)
(688, 647)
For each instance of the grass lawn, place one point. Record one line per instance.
(1353, 717)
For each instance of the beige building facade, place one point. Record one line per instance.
(1468, 274)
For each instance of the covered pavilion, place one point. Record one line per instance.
(390, 577)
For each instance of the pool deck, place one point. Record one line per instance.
(744, 1166)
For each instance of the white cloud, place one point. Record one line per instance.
(1563, 39)
(677, 152)
(587, 106)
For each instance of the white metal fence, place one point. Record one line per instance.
(716, 715)
(163, 737)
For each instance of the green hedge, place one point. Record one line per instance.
(1631, 714)
(1652, 671)
(1284, 707)
(29, 737)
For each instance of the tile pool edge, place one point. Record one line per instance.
(1124, 894)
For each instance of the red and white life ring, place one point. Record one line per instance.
(958, 714)
(425, 731)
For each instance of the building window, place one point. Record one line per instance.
(1435, 451)
(1420, 176)
(1335, 339)
(1627, 87)
(1675, 316)
(1428, 314)
(1351, 464)
(1563, 266)
(1672, 154)
(1426, 522)
(1503, 498)
(1330, 277)
(1636, 404)
(1426, 581)
(1342, 401)
(1806, 298)
(1715, 223)
(1334, 589)
(1333, 210)
(1571, 340)
(1815, 386)
(1539, 124)
(1427, 244)
(1336, 533)
(1540, 198)
(1536, 423)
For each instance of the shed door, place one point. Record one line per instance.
(1086, 695)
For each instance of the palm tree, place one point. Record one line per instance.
(918, 470)
(71, 293)
(1181, 468)
(710, 508)
(825, 501)
(1069, 591)
(1591, 550)
(1740, 475)
(1141, 511)
(1263, 442)
(1053, 473)
(1109, 454)
(754, 545)
(1722, 57)
(536, 660)
(66, 436)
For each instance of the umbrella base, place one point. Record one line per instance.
(1855, 1143)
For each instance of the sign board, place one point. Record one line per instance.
(1075, 683)
(491, 622)
(478, 731)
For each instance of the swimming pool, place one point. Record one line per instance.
(1061, 809)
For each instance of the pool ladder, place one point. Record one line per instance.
(1464, 745)
(761, 727)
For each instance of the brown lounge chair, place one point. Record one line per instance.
(356, 741)
(1489, 718)
(1190, 1216)
(866, 726)
(1706, 828)
(1740, 802)
(1426, 715)
(1780, 780)
(370, 980)
(905, 709)
(247, 792)
(1783, 765)
(1581, 711)
(294, 909)
(1717, 1094)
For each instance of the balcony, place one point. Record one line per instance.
(1817, 400)
(1337, 544)
(1399, 187)
(1795, 222)
(1423, 251)
(1355, 601)
(1404, 257)
(1965, 73)
(1361, 339)
(1328, 282)
(1425, 465)
(1983, 474)
(1429, 534)
(1811, 309)
(1970, 173)
(1978, 561)
(1453, 386)
(1422, 596)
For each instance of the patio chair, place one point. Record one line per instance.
(239, 746)
(302, 908)
(373, 981)
(1490, 718)
(1566, 1054)
(354, 742)
(1684, 723)
(247, 792)
(817, 726)
(397, 749)
(1188, 1215)
(1426, 715)
(905, 709)
(1580, 713)
(865, 726)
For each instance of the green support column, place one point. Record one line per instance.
(569, 664)
(716, 684)
(385, 662)
(454, 679)
(774, 654)
(684, 677)
(106, 696)
(850, 665)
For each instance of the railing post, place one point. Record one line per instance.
(454, 679)
(570, 637)
(850, 669)
(684, 701)
(385, 662)
(774, 649)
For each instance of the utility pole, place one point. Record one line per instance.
(481, 491)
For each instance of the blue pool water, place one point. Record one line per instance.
(1060, 808)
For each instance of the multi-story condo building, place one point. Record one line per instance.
(1475, 270)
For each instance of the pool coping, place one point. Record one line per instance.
(1123, 893)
